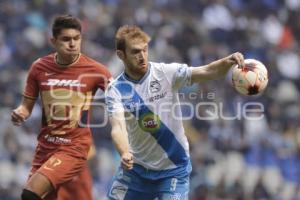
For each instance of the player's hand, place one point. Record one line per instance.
(19, 115)
(236, 58)
(127, 160)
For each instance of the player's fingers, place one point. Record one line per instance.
(127, 165)
(130, 167)
(238, 59)
(127, 157)
(16, 116)
(242, 60)
(130, 162)
(127, 161)
(17, 123)
(232, 60)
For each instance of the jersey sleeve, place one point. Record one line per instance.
(31, 87)
(105, 78)
(113, 100)
(178, 75)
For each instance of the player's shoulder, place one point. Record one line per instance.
(88, 60)
(168, 68)
(163, 64)
(119, 79)
(120, 83)
(44, 59)
(96, 65)
(113, 88)
(40, 63)
(156, 65)
(161, 69)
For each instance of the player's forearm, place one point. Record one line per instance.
(27, 105)
(119, 133)
(219, 68)
(120, 141)
(212, 71)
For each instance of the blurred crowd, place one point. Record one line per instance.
(234, 156)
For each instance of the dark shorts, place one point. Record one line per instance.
(128, 185)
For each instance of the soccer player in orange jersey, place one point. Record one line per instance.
(66, 82)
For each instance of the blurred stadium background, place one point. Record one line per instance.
(232, 159)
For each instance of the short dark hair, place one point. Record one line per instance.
(63, 22)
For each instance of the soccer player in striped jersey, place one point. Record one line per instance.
(66, 82)
(145, 115)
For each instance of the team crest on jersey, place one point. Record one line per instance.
(149, 122)
(155, 86)
(131, 105)
(63, 82)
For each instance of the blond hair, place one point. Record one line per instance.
(129, 33)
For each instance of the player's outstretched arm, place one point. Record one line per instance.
(216, 69)
(23, 111)
(120, 139)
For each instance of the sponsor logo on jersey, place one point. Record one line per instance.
(157, 97)
(149, 122)
(57, 140)
(63, 82)
(155, 86)
(49, 73)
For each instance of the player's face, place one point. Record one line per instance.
(68, 43)
(136, 58)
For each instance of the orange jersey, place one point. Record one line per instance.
(66, 95)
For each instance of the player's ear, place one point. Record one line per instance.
(52, 41)
(120, 54)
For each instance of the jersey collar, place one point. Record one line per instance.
(138, 81)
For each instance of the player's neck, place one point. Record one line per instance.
(134, 76)
(66, 61)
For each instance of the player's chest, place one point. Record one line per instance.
(151, 94)
(68, 80)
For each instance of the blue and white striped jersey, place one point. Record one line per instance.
(153, 117)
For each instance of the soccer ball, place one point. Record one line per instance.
(252, 79)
